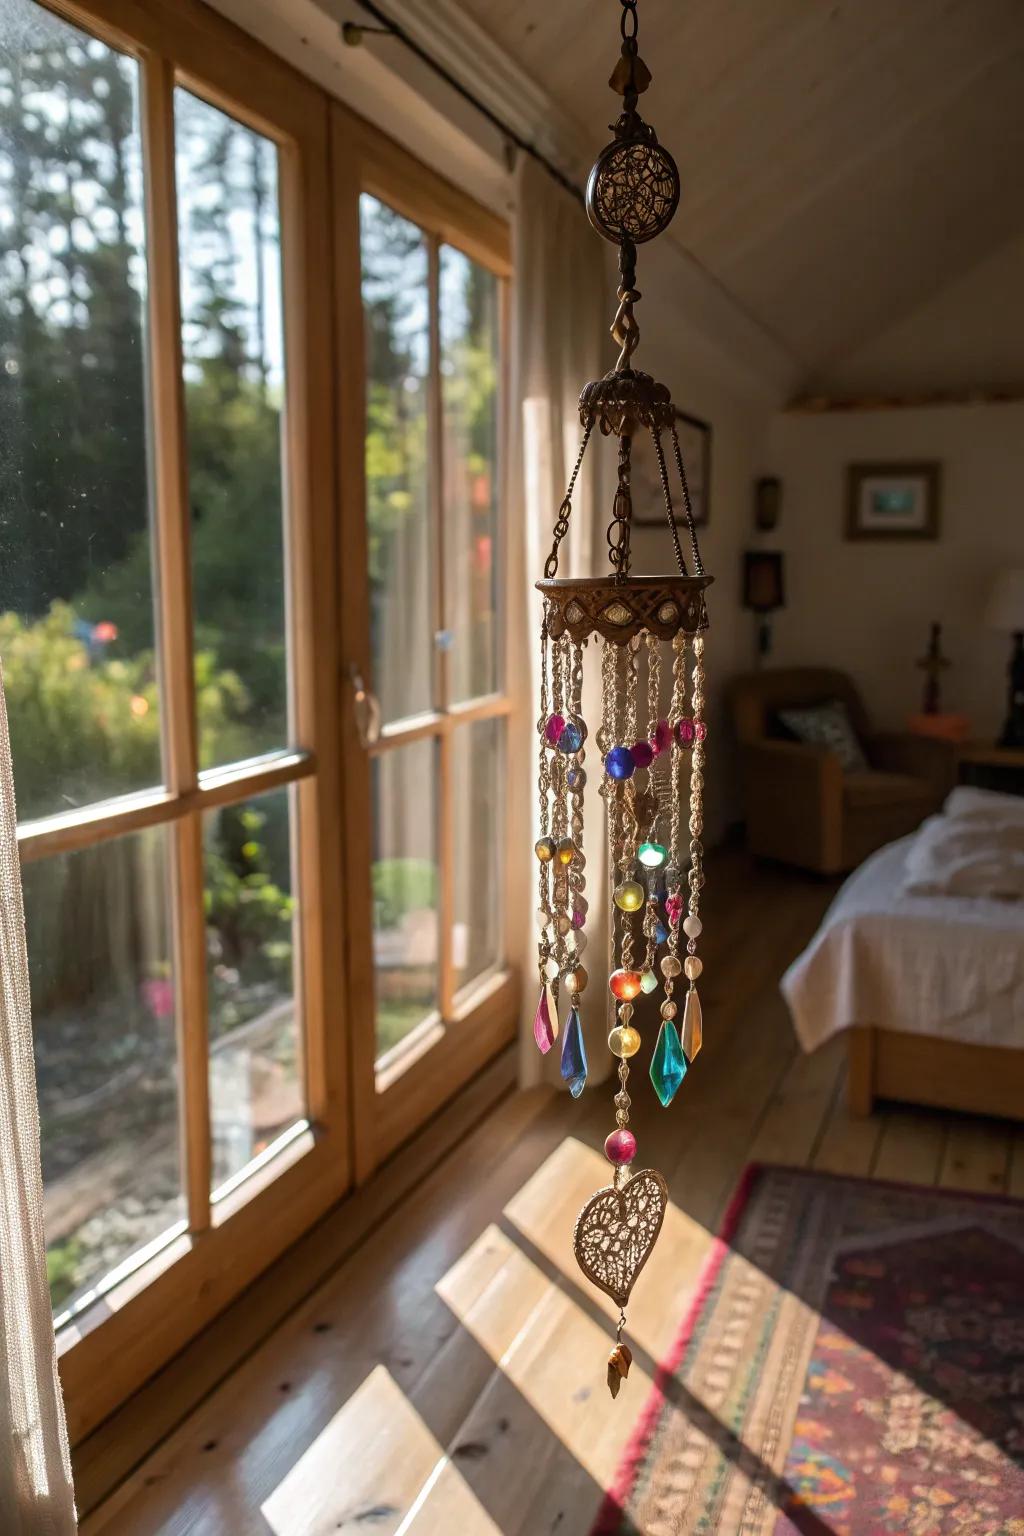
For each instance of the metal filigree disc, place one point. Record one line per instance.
(618, 610)
(616, 1232)
(633, 191)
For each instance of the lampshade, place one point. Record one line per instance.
(763, 588)
(1005, 609)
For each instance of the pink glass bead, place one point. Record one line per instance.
(578, 918)
(543, 1027)
(700, 730)
(673, 909)
(685, 731)
(554, 729)
(661, 740)
(643, 754)
(620, 1147)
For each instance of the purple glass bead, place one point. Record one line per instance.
(576, 777)
(673, 908)
(578, 918)
(643, 754)
(685, 731)
(700, 730)
(619, 763)
(661, 740)
(620, 1147)
(554, 729)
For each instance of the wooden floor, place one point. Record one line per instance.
(447, 1380)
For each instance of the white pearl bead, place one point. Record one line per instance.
(693, 927)
(693, 967)
(579, 940)
(543, 918)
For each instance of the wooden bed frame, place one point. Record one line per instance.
(922, 1069)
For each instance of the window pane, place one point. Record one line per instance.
(256, 1074)
(76, 604)
(405, 881)
(469, 392)
(478, 796)
(233, 344)
(99, 948)
(396, 304)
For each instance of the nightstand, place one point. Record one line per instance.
(986, 766)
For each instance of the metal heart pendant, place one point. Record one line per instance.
(616, 1232)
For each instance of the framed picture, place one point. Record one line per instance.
(648, 498)
(893, 501)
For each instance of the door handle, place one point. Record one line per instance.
(365, 708)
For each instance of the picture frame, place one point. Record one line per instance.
(893, 501)
(648, 497)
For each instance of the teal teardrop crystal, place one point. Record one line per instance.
(668, 1064)
(574, 1054)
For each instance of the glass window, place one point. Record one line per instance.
(229, 237)
(469, 394)
(397, 310)
(256, 1088)
(478, 794)
(76, 601)
(103, 1008)
(405, 889)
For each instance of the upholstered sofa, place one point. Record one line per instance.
(800, 806)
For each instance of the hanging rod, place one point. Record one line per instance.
(392, 27)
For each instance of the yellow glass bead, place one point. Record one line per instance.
(624, 1041)
(577, 980)
(629, 896)
(544, 848)
(566, 850)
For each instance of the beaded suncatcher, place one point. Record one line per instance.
(649, 631)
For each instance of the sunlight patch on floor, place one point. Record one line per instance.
(375, 1466)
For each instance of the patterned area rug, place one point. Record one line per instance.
(853, 1364)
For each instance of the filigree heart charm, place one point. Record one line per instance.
(617, 1230)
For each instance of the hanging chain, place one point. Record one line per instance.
(565, 510)
(698, 564)
(544, 914)
(618, 532)
(667, 493)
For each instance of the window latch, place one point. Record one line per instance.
(365, 707)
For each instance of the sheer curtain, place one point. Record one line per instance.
(560, 340)
(36, 1496)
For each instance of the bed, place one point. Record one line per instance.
(929, 989)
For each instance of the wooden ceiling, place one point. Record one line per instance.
(841, 160)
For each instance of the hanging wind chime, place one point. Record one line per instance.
(651, 755)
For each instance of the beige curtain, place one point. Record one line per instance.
(560, 340)
(36, 1496)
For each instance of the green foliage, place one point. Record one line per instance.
(62, 1265)
(249, 919)
(401, 886)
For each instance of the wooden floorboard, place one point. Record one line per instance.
(447, 1378)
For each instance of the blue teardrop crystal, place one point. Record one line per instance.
(574, 1054)
(668, 1064)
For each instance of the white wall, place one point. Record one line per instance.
(866, 607)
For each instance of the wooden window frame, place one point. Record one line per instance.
(106, 1351)
(392, 1101)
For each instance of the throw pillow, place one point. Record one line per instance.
(827, 725)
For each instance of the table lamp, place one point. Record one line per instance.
(763, 592)
(1005, 612)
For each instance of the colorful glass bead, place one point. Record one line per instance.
(700, 730)
(624, 984)
(579, 938)
(563, 923)
(668, 1064)
(566, 850)
(619, 763)
(552, 969)
(576, 777)
(668, 1009)
(693, 1025)
(543, 918)
(652, 855)
(581, 902)
(576, 980)
(574, 1054)
(620, 1147)
(625, 1011)
(648, 982)
(544, 848)
(660, 933)
(692, 927)
(670, 966)
(643, 754)
(579, 917)
(685, 731)
(553, 729)
(624, 1041)
(629, 896)
(543, 1028)
(692, 967)
(661, 738)
(673, 908)
(571, 738)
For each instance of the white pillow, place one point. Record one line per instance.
(984, 805)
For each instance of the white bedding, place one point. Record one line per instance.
(929, 965)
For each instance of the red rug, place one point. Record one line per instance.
(852, 1365)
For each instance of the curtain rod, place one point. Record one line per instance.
(392, 27)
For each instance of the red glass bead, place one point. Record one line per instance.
(620, 1147)
(643, 754)
(685, 731)
(661, 740)
(554, 729)
(625, 985)
(700, 729)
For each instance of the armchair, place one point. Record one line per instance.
(800, 807)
